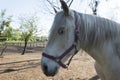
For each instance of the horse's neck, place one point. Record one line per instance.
(85, 42)
(84, 38)
(94, 30)
(95, 44)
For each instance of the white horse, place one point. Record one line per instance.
(72, 31)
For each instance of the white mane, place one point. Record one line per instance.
(94, 30)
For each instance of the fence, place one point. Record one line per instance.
(21, 44)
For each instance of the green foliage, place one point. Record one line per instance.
(5, 29)
(16, 35)
(28, 27)
(11, 34)
(7, 32)
(4, 21)
(3, 38)
(26, 32)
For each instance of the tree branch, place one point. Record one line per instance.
(70, 3)
(53, 6)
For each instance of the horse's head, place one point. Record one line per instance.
(60, 45)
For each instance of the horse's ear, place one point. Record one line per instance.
(65, 7)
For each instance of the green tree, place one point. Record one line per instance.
(7, 33)
(16, 35)
(4, 21)
(28, 28)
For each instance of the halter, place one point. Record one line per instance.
(73, 46)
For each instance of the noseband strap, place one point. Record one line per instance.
(58, 59)
(73, 46)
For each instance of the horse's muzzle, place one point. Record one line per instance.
(47, 71)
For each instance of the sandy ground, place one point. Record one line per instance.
(14, 66)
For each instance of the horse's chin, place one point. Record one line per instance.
(50, 74)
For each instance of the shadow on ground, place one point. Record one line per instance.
(23, 65)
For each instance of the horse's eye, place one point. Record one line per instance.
(61, 30)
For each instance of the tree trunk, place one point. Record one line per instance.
(3, 50)
(24, 48)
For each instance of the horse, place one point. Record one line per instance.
(73, 31)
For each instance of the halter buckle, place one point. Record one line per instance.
(57, 59)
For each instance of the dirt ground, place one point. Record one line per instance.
(14, 66)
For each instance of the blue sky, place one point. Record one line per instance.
(109, 9)
(18, 6)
